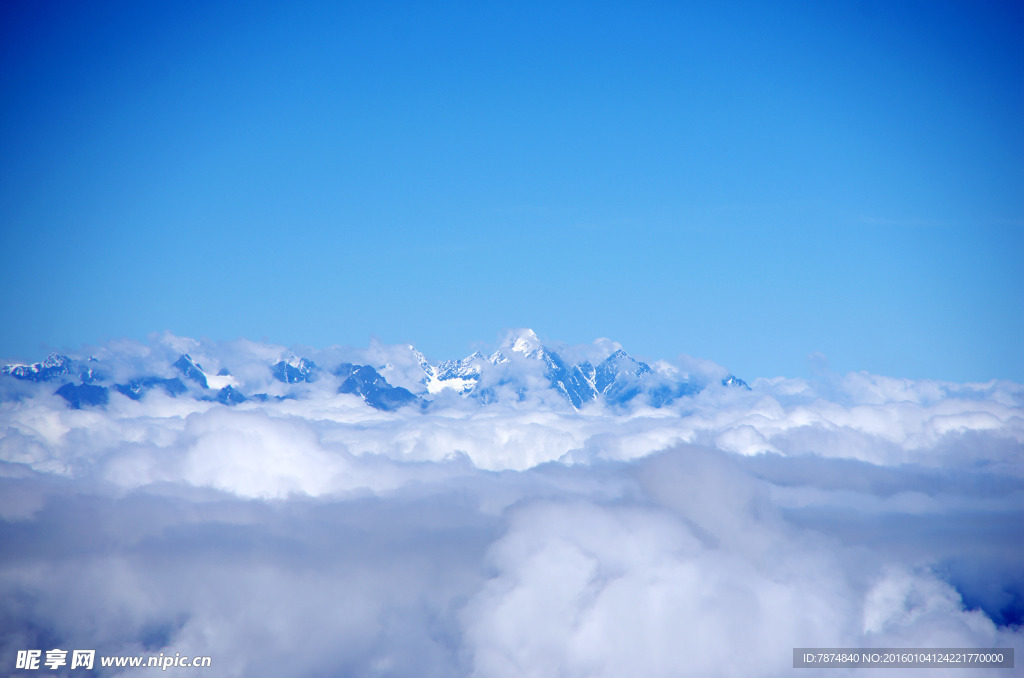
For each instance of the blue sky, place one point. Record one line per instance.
(744, 182)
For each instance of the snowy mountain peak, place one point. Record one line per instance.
(621, 362)
(54, 366)
(194, 372)
(459, 375)
(191, 370)
(524, 341)
(295, 369)
(619, 378)
(734, 381)
(57, 360)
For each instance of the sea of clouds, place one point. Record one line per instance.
(317, 536)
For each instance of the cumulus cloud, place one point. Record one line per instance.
(315, 535)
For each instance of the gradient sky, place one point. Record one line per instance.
(744, 182)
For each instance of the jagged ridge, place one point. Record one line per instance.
(618, 380)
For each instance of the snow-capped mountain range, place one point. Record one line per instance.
(521, 365)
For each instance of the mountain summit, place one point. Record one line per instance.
(524, 341)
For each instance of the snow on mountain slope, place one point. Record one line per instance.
(55, 366)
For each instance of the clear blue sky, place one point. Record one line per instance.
(744, 182)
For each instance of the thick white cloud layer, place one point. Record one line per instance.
(318, 536)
